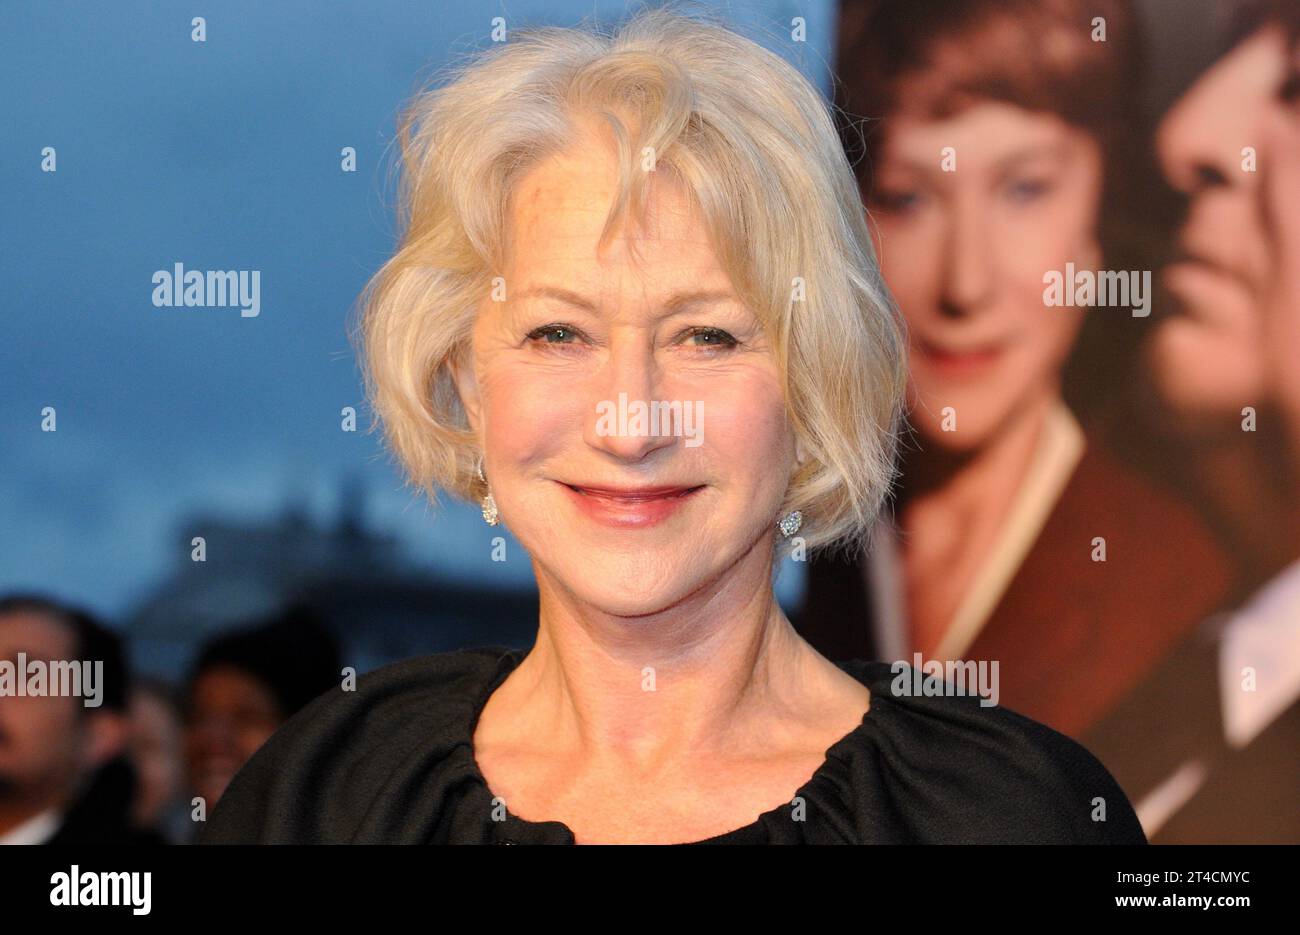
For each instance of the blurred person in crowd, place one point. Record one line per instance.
(64, 774)
(157, 752)
(1209, 748)
(1001, 134)
(247, 683)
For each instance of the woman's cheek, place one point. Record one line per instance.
(523, 405)
(909, 258)
(744, 416)
(1029, 250)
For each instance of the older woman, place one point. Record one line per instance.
(666, 214)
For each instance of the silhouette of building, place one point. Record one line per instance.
(379, 605)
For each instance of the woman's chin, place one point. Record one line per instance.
(630, 605)
(630, 587)
(961, 438)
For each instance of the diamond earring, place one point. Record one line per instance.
(489, 505)
(790, 524)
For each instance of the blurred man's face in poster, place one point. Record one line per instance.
(1209, 359)
(964, 246)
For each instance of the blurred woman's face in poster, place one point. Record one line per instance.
(965, 251)
(1208, 360)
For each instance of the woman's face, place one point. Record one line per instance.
(577, 331)
(965, 252)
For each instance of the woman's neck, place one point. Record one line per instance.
(951, 514)
(712, 674)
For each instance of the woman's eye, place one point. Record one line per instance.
(553, 334)
(1028, 189)
(712, 337)
(896, 201)
(565, 335)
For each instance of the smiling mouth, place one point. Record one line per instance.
(637, 495)
(960, 361)
(974, 350)
(630, 508)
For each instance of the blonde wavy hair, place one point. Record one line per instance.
(756, 148)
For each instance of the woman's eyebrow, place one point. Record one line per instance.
(1030, 153)
(931, 169)
(677, 302)
(559, 295)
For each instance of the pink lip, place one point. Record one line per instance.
(629, 507)
(964, 363)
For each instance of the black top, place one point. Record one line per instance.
(393, 762)
(102, 812)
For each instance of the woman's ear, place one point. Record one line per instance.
(462, 374)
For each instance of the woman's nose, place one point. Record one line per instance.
(967, 277)
(624, 411)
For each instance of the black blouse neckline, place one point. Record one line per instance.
(516, 830)
(392, 763)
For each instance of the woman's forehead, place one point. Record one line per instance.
(571, 195)
(989, 131)
(556, 230)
